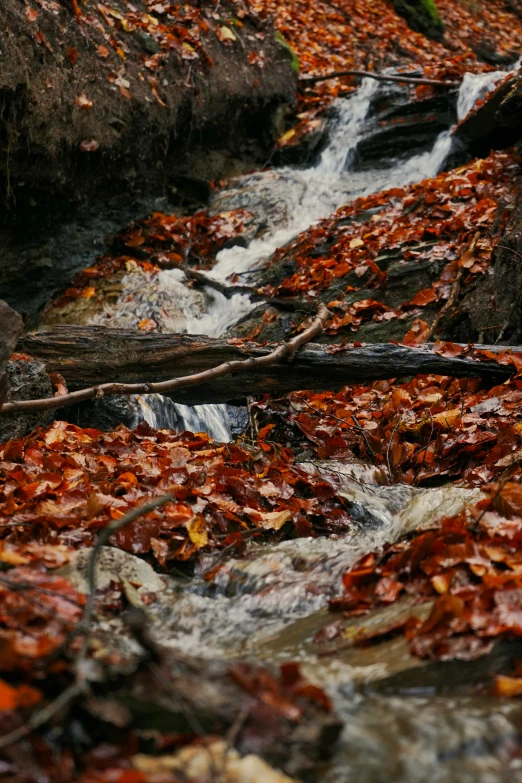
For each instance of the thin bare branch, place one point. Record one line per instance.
(379, 77)
(286, 351)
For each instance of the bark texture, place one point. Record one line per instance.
(89, 356)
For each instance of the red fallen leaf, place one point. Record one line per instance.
(507, 686)
(424, 297)
(445, 606)
(12, 698)
(113, 774)
(387, 589)
(314, 693)
(508, 499)
(31, 13)
(71, 54)
(418, 333)
(147, 325)
(103, 52)
(263, 432)
(83, 102)
(89, 145)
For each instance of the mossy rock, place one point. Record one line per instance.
(292, 56)
(422, 16)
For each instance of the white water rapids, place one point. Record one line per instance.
(310, 195)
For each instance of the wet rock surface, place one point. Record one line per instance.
(10, 331)
(402, 127)
(133, 298)
(40, 255)
(488, 126)
(27, 379)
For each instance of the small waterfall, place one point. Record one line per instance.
(474, 87)
(162, 413)
(311, 194)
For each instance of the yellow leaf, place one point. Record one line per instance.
(270, 520)
(226, 34)
(447, 418)
(356, 242)
(286, 136)
(11, 557)
(197, 530)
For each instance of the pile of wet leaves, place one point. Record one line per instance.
(430, 428)
(63, 484)
(467, 565)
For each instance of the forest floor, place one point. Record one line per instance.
(76, 705)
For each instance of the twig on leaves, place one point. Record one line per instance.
(379, 77)
(388, 450)
(285, 351)
(39, 717)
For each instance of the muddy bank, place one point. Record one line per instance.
(122, 95)
(102, 110)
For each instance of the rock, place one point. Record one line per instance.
(402, 127)
(36, 263)
(27, 379)
(509, 113)
(11, 327)
(201, 761)
(133, 298)
(486, 127)
(113, 565)
(308, 148)
(238, 417)
(105, 413)
(271, 196)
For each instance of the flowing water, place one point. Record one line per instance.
(270, 603)
(302, 197)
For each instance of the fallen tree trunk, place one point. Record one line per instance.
(92, 355)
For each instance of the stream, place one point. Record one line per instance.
(288, 201)
(270, 604)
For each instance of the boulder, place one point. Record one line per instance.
(27, 379)
(11, 327)
(401, 126)
(494, 124)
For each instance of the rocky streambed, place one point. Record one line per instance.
(403, 719)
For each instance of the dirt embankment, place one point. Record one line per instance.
(96, 94)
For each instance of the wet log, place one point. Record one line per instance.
(91, 355)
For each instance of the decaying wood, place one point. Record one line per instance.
(283, 352)
(89, 355)
(379, 76)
